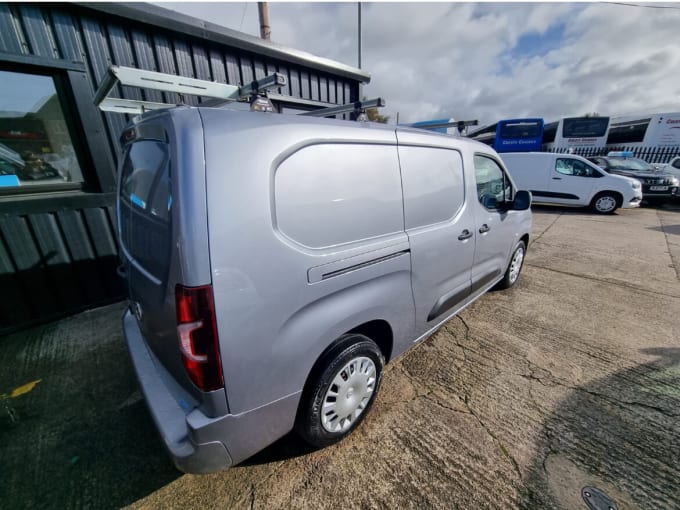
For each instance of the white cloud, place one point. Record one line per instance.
(457, 60)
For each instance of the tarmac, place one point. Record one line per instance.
(570, 380)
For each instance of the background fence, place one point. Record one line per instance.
(649, 154)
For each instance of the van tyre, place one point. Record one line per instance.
(514, 267)
(341, 391)
(605, 202)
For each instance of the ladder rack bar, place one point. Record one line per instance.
(344, 108)
(457, 124)
(130, 106)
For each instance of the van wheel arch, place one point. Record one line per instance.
(379, 331)
(309, 419)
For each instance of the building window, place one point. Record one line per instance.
(36, 148)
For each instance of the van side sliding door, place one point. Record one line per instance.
(440, 229)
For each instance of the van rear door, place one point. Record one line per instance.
(161, 216)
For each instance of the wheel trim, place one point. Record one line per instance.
(348, 394)
(605, 203)
(516, 264)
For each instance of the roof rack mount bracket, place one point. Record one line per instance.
(172, 83)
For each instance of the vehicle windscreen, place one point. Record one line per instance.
(629, 164)
(145, 204)
(585, 127)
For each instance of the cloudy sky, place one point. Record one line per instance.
(486, 61)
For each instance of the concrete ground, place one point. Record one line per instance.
(570, 379)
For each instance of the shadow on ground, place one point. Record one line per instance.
(620, 434)
(82, 436)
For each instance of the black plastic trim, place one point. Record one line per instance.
(448, 301)
(481, 282)
(367, 263)
(554, 194)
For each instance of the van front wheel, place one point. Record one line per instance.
(514, 268)
(341, 392)
(605, 202)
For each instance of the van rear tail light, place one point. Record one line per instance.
(197, 334)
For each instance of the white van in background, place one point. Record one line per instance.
(567, 179)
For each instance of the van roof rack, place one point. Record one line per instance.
(164, 82)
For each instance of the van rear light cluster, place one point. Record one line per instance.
(197, 333)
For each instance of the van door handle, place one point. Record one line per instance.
(484, 229)
(557, 178)
(465, 234)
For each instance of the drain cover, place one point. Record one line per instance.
(597, 500)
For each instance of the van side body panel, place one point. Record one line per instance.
(275, 317)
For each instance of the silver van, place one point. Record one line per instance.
(276, 262)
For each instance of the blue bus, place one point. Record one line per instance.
(512, 135)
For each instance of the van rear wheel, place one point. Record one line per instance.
(605, 202)
(341, 391)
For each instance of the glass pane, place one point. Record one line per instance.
(35, 145)
(585, 127)
(491, 182)
(142, 182)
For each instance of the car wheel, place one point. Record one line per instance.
(341, 391)
(605, 203)
(514, 268)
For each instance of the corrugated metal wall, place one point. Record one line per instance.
(58, 261)
(79, 35)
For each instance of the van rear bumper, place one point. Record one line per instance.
(164, 403)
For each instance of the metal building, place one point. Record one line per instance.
(58, 153)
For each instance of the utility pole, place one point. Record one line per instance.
(265, 29)
(359, 35)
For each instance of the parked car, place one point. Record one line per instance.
(275, 263)
(567, 179)
(673, 167)
(656, 184)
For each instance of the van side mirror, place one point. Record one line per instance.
(522, 200)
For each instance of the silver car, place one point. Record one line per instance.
(275, 263)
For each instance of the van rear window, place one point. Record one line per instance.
(145, 202)
(146, 178)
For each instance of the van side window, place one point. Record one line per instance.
(336, 193)
(492, 183)
(434, 188)
(570, 166)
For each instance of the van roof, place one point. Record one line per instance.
(283, 118)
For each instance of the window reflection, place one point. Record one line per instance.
(35, 145)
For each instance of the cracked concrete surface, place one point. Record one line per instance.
(572, 378)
